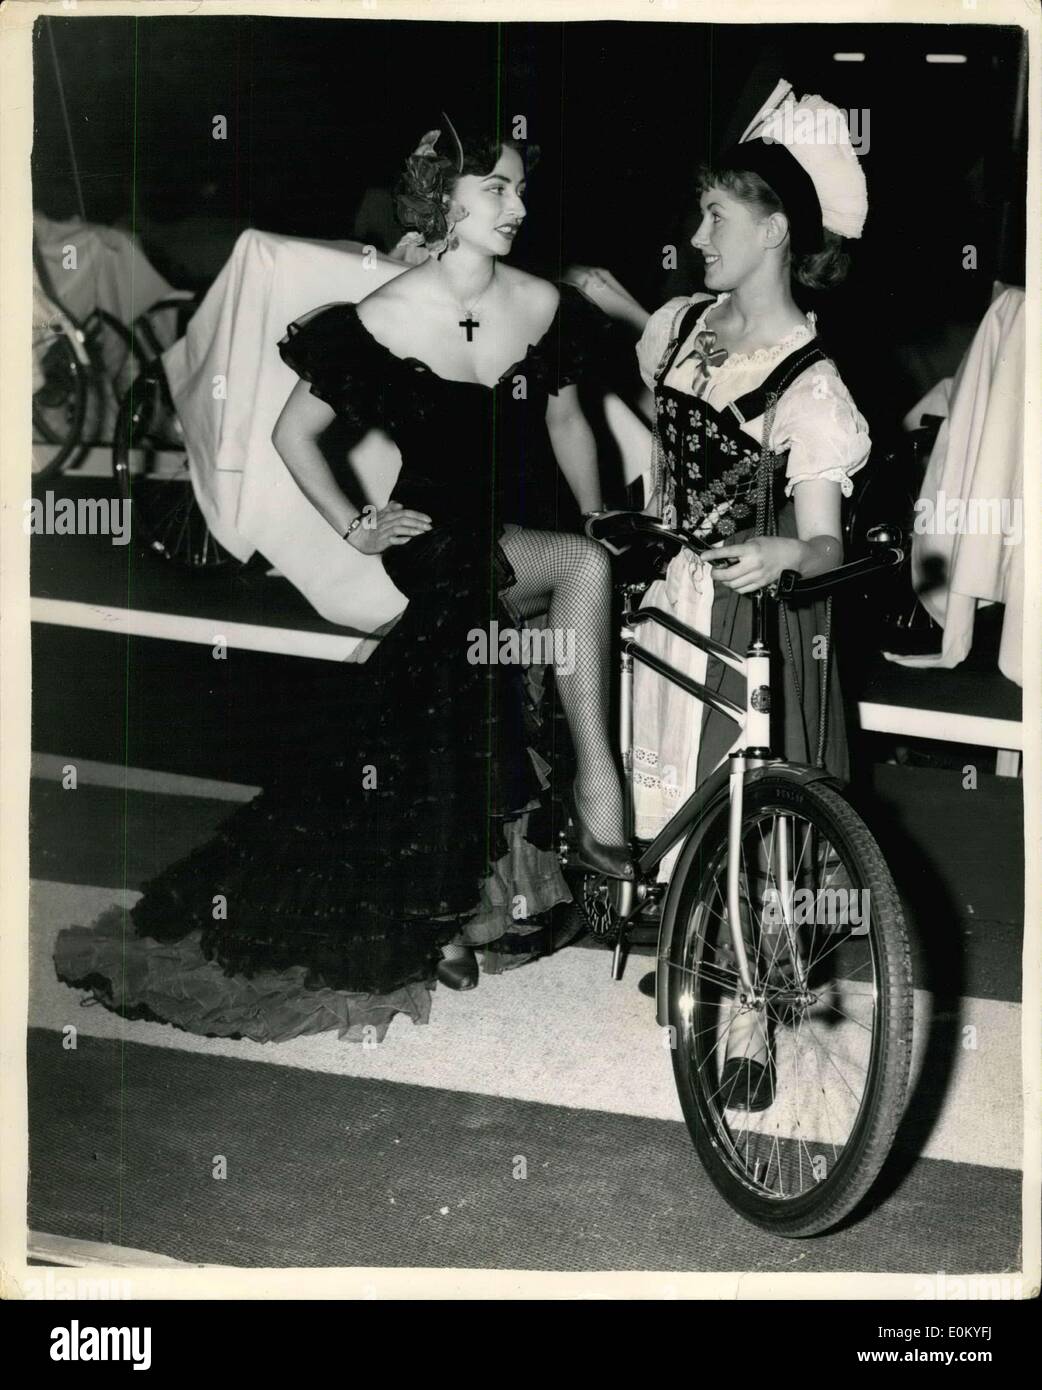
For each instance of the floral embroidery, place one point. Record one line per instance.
(713, 522)
(710, 474)
(695, 510)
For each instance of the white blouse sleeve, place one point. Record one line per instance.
(825, 433)
(651, 348)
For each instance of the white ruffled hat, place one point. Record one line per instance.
(817, 136)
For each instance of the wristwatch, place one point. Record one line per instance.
(353, 527)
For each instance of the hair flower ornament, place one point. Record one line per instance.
(426, 146)
(422, 201)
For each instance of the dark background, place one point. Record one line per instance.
(319, 110)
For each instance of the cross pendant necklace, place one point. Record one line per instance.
(469, 323)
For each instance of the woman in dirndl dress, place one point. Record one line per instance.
(756, 439)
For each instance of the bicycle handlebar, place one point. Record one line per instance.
(619, 529)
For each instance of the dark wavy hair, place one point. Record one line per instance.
(428, 180)
(817, 270)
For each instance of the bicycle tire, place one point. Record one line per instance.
(696, 973)
(70, 440)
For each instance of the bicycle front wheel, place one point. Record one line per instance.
(792, 1094)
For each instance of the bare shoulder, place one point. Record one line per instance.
(534, 300)
(392, 300)
(540, 293)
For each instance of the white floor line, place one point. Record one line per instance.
(49, 767)
(178, 627)
(560, 1032)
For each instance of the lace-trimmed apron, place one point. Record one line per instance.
(714, 483)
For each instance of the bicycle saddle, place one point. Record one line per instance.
(620, 530)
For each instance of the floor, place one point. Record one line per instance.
(531, 1124)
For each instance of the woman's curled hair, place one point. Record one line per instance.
(426, 183)
(817, 270)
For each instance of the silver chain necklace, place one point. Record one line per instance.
(469, 323)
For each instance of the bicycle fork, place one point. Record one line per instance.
(757, 729)
(625, 894)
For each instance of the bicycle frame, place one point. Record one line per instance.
(744, 765)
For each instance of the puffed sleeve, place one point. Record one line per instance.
(326, 349)
(658, 331)
(585, 342)
(825, 433)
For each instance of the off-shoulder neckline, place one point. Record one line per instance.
(418, 364)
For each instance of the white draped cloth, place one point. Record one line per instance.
(229, 385)
(967, 548)
(91, 266)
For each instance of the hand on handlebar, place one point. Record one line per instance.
(757, 563)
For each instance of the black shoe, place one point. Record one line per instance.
(746, 1085)
(461, 972)
(614, 861)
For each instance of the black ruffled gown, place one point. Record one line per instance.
(324, 901)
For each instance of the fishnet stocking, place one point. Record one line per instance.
(569, 577)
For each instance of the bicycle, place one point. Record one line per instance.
(780, 925)
(82, 369)
(150, 458)
(71, 387)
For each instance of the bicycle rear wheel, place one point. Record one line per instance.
(794, 1094)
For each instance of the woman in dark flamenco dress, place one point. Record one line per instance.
(379, 857)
